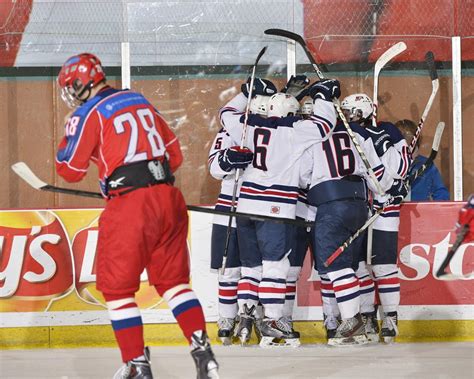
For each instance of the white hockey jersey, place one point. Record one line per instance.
(270, 185)
(337, 166)
(221, 142)
(396, 161)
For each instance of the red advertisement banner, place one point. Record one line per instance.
(427, 231)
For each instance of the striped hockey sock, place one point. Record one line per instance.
(228, 283)
(347, 291)
(388, 286)
(247, 289)
(186, 309)
(127, 324)
(367, 289)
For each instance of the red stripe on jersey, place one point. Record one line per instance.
(389, 281)
(228, 292)
(346, 286)
(271, 290)
(290, 195)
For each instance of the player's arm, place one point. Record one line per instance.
(392, 149)
(173, 148)
(78, 146)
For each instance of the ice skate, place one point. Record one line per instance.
(331, 324)
(226, 330)
(136, 369)
(350, 332)
(371, 326)
(278, 333)
(389, 327)
(246, 323)
(206, 364)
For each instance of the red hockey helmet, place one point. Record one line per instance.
(78, 76)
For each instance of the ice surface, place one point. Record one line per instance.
(414, 360)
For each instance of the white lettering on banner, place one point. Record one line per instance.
(43, 258)
(422, 265)
(414, 261)
(87, 275)
(11, 274)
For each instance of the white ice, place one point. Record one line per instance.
(414, 360)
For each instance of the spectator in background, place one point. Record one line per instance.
(428, 186)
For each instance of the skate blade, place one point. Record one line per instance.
(213, 374)
(373, 338)
(348, 341)
(226, 341)
(244, 337)
(389, 340)
(266, 342)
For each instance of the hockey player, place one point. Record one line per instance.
(270, 188)
(393, 151)
(338, 189)
(144, 223)
(225, 157)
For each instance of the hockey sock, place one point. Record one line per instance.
(127, 324)
(228, 292)
(367, 289)
(186, 309)
(272, 288)
(247, 289)
(388, 286)
(347, 291)
(290, 296)
(330, 307)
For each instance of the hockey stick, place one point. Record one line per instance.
(297, 38)
(409, 181)
(429, 58)
(441, 273)
(386, 57)
(24, 172)
(238, 171)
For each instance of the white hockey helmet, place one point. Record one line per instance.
(282, 105)
(306, 108)
(357, 107)
(259, 105)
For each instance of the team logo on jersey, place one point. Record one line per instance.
(275, 210)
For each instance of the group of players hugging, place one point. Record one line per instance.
(289, 156)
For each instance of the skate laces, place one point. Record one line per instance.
(199, 340)
(225, 323)
(390, 323)
(347, 325)
(284, 324)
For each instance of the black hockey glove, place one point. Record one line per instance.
(326, 89)
(234, 157)
(380, 138)
(296, 86)
(260, 87)
(398, 191)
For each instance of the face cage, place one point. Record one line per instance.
(74, 99)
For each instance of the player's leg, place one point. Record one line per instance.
(368, 308)
(251, 275)
(385, 271)
(275, 241)
(168, 270)
(228, 280)
(335, 222)
(120, 261)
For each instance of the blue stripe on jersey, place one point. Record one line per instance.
(126, 323)
(268, 198)
(275, 187)
(324, 294)
(247, 296)
(65, 154)
(228, 284)
(272, 123)
(390, 214)
(126, 99)
(271, 280)
(226, 301)
(183, 307)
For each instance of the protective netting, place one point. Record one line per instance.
(218, 32)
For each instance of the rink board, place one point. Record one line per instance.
(48, 298)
